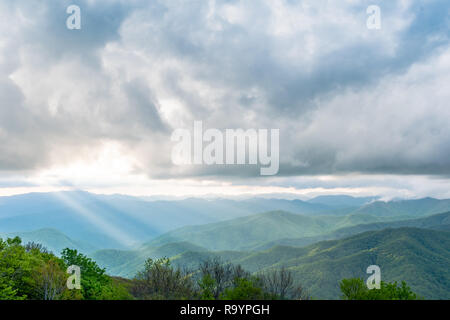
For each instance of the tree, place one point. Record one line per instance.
(244, 289)
(7, 292)
(33, 247)
(50, 279)
(159, 280)
(220, 275)
(280, 284)
(16, 269)
(207, 286)
(355, 289)
(95, 284)
(32, 272)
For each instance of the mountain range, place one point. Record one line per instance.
(124, 222)
(271, 225)
(321, 240)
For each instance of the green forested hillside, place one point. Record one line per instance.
(437, 222)
(127, 263)
(319, 248)
(420, 257)
(256, 231)
(133, 219)
(31, 272)
(52, 239)
(248, 232)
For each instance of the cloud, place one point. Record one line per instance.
(346, 99)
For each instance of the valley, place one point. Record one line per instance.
(320, 241)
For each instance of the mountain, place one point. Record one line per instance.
(122, 222)
(52, 239)
(341, 201)
(436, 222)
(238, 234)
(128, 263)
(246, 232)
(408, 239)
(410, 208)
(260, 230)
(418, 256)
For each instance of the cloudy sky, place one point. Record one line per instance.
(360, 111)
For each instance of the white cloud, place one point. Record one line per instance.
(346, 99)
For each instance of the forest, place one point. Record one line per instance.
(31, 272)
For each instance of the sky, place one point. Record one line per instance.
(360, 111)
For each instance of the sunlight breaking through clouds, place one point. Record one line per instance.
(102, 224)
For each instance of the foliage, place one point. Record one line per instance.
(219, 275)
(160, 281)
(32, 272)
(280, 283)
(220, 280)
(207, 286)
(355, 289)
(95, 284)
(16, 270)
(244, 289)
